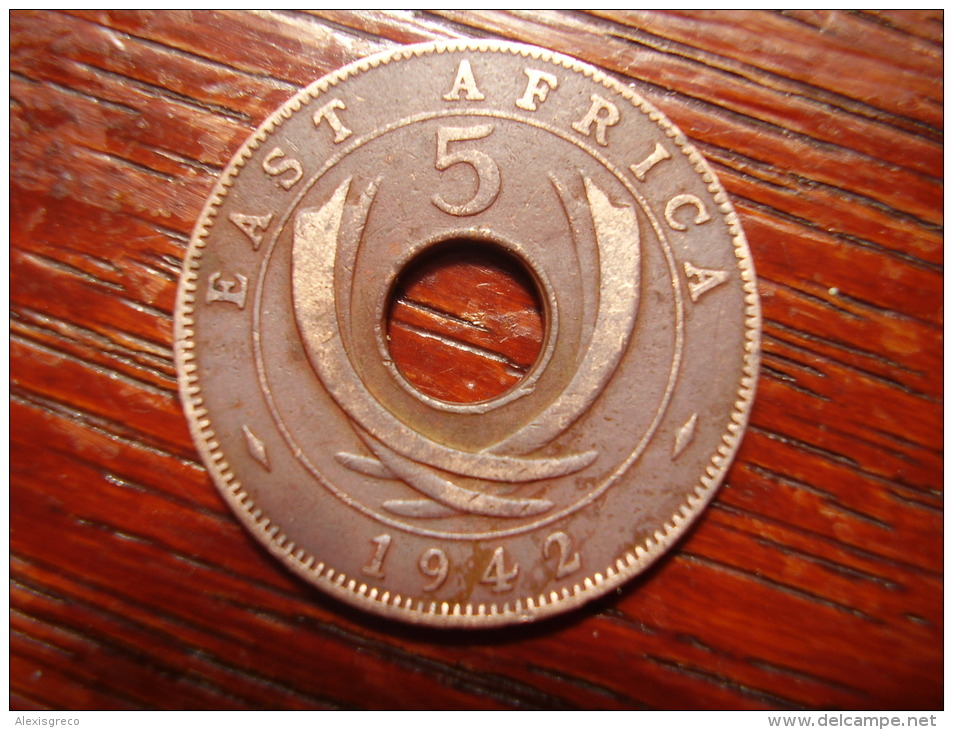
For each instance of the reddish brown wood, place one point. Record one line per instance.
(466, 322)
(814, 580)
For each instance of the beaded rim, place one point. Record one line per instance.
(634, 559)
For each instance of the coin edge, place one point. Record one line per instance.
(635, 559)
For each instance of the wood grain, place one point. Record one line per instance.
(465, 323)
(813, 581)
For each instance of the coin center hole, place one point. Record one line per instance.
(465, 321)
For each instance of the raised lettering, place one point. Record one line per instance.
(464, 81)
(434, 564)
(278, 169)
(705, 279)
(567, 561)
(487, 171)
(497, 576)
(253, 226)
(679, 201)
(373, 568)
(534, 90)
(596, 116)
(226, 290)
(328, 113)
(642, 169)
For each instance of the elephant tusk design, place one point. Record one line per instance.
(313, 256)
(403, 454)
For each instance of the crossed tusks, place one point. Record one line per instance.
(424, 464)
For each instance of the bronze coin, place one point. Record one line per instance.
(562, 487)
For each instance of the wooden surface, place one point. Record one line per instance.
(814, 579)
(465, 322)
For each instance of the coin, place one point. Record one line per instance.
(547, 495)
